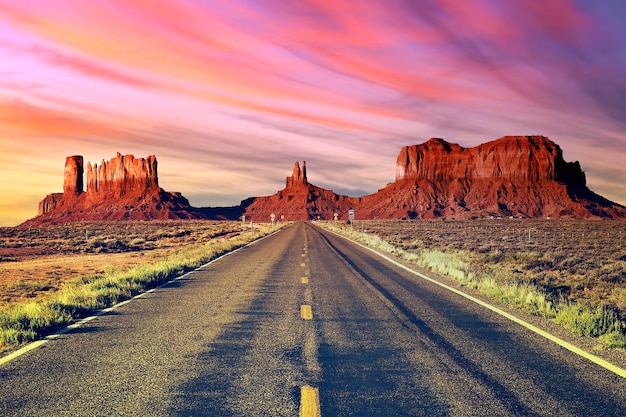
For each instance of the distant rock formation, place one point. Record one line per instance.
(123, 188)
(515, 158)
(514, 176)
(520, 176)
(299, 200)
(298, 177)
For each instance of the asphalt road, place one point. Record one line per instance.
(304, 319)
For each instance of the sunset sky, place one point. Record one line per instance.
(229, 94)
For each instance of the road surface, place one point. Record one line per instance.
(304, 322)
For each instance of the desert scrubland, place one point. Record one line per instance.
(50, 276)
(572, 272)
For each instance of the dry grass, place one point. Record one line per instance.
(48, 281)
(36, 262)
(573, 271)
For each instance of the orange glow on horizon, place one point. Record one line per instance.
(341, 84)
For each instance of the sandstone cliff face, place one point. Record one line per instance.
(515, 158)
(73, 176)
(520, 176)
(122, 174)
(298, 177)
(50, 203)
(123, 188)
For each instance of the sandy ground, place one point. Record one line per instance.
(37, 275)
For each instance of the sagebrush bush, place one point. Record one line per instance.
(587, 320)
(614, 340)
(533, 280)
(25, 322)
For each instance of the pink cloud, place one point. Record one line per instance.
(24, 118)
(328, 75)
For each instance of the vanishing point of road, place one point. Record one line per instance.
(304, 323)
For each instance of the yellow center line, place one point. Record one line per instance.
(309, 402)
(302, 264)
(305, 312)
(305, 280)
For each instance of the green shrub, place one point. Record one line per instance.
(527, 298)
(11, 337)
(614, 340)
(25, 322)
(495, 273)
(587, 320)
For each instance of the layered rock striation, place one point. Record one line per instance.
(514, 176)
(520, 176)
(124, 187)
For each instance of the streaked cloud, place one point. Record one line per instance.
(217, 86)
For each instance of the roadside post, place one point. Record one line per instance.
(273, 217)
(351, 217)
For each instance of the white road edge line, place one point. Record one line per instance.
(40, 342)
(593, 358)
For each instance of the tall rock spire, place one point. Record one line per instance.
(73, 176)
(298, 177)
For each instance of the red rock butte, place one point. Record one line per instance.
(513, 158)
(514, 176)
(123, 188)
(522, 176)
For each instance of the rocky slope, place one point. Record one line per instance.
(124, 188)
(520, 176)
(514, 176)
(299, 200)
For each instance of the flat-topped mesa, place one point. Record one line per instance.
(298, 177)
(124, 188)
(121, 175)
(526, 158)
(514, 176)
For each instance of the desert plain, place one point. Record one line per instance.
(530, 265)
